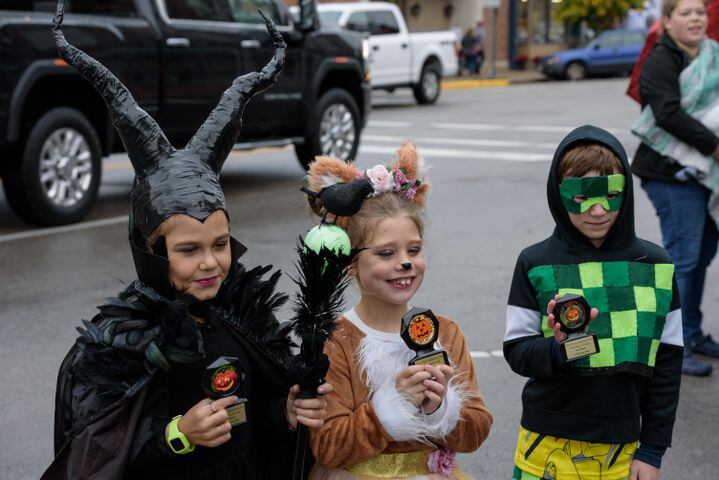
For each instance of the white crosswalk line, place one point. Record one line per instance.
(479, 354)
(514, 128)
(388, 124)
(430, 153)
(458, 141)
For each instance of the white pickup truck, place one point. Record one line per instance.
(397, 58)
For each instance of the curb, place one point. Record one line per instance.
(482, 83)
(495, 82)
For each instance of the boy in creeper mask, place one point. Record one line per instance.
(610, 415)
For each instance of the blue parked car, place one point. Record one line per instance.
(613, 52)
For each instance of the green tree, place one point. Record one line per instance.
(599, 14)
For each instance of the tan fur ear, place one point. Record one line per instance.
(420, 198)
(409, 159)
(411, 162)
(326, 171)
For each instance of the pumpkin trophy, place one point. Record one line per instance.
(572, 313)
(223, 378)
(420, 329)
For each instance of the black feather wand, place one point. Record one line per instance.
(322, 280)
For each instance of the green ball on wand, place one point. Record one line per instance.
(331, 237)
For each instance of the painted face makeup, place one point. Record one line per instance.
(580, 194)
(380, 271)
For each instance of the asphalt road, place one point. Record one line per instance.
(489, 149)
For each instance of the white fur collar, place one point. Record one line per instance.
(380, 357)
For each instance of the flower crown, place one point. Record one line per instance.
(390, 178)
(406, 176)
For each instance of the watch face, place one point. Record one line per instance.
(177, 444)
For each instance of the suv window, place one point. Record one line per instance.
(118, 8)
(634, 38)
(209, 10)
(240, 11)
(609, 40)
(383, 23)
(358, 22)
(245, 11)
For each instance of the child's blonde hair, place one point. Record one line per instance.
(361, 227)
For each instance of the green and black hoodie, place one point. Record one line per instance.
(629, 391)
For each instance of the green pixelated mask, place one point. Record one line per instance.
(606, 191)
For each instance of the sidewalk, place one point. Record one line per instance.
(502, 78)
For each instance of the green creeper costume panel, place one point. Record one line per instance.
(633, 300)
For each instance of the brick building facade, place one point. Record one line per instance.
(525, 29)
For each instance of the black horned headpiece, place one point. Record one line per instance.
(168, 180)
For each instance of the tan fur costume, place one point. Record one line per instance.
(366, 416)
(372, 431)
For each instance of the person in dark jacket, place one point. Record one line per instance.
(609, 415)
(184, 374)
(689, 233)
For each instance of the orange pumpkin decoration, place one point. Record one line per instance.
(224, 379)
(421, 329)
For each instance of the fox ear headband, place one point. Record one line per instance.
(330, 180)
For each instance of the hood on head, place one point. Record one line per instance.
(622, 233)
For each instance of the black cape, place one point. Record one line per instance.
(105, 378)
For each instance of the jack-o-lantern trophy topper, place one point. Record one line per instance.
(223, 378)
(420, 330)
(573, 314)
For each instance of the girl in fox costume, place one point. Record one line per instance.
(386, 419)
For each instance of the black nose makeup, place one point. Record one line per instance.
(407, 266)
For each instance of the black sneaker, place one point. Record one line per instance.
(694, 367)
(705, 346)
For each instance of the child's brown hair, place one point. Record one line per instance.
(583, 158)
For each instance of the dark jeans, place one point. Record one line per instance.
(471, 63)
(691, 237)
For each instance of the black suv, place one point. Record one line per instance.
(176, 57)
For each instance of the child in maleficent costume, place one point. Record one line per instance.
(183, 374)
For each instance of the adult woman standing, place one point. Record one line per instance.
(689, 232)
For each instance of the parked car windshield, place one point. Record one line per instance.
(617, 38)
(607, 40)
(238, 11)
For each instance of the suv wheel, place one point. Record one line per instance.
(429, 87)
(333, 129)
(576, 71)
(58, 175)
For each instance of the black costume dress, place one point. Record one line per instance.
(140, 362)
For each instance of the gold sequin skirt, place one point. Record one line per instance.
(388, 466)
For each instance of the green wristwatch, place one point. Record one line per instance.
(176, 439)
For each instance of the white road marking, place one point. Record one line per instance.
(458, 141)
(388, 124)
(514, 128)
(470, 154)
(497, 353)
(43, 232)
(489, 127)
(479, 354)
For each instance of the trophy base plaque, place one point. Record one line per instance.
(437, 357)
(578, 346)
(237, 414)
